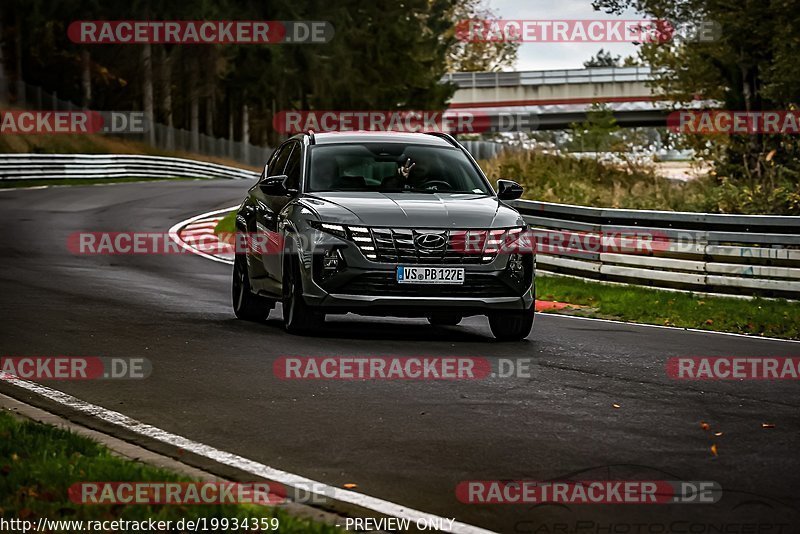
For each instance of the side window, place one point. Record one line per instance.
(293, 168)
(278, 163)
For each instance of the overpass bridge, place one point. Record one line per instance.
(558, 98)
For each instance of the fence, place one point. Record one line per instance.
(164, 137)
(736, 254)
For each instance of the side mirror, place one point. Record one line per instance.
(508, 190)
(275, 186)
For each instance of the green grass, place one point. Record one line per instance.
(227, 224)
(761, 317)
(38, 463)
(10, 184)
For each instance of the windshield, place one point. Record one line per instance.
(393, 167)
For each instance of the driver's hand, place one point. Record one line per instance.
(405, 169)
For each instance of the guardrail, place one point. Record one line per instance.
(735, 254)
(711, 253)
(104, 166)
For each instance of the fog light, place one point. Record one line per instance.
(332, 260)
(515, 264)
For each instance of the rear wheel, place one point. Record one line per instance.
(246, 304)
(444, 319)
(298, 317)
(511, 326)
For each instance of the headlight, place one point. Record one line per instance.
(360, 235)
(336, 229)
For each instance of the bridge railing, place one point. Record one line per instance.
(468, 80)
(711, 253)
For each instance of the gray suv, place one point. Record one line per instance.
(388, 224)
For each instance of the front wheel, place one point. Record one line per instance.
(246, 304)
(511, 326)
(298, 317)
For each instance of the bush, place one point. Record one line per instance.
(589, 182)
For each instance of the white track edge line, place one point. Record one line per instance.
(173, 234)
(697, 330)
(239, 462)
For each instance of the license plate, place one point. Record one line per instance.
(430, 275)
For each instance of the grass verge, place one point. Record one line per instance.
(759, 317)
(38, 463)
(227, 224)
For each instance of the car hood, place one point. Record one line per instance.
(412, 210)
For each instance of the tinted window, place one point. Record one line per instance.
(293, 168)
(393, 167)
(278, 164)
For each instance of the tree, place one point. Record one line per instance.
(478, 56)
(597, 131)
(384, 56)
(745, 60)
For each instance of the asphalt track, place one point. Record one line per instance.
(409, 442)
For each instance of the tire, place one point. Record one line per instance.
(298, 317)
(511, 326)
(246, 305)
(444, 319)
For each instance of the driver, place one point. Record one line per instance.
(410, 173)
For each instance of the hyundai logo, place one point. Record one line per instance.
(430, 241)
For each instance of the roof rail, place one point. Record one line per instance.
(446, 136)
(311, 136)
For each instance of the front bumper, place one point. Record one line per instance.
(370, 288)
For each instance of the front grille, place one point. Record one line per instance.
(385, 284)
(426, 246)
(402, 245)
